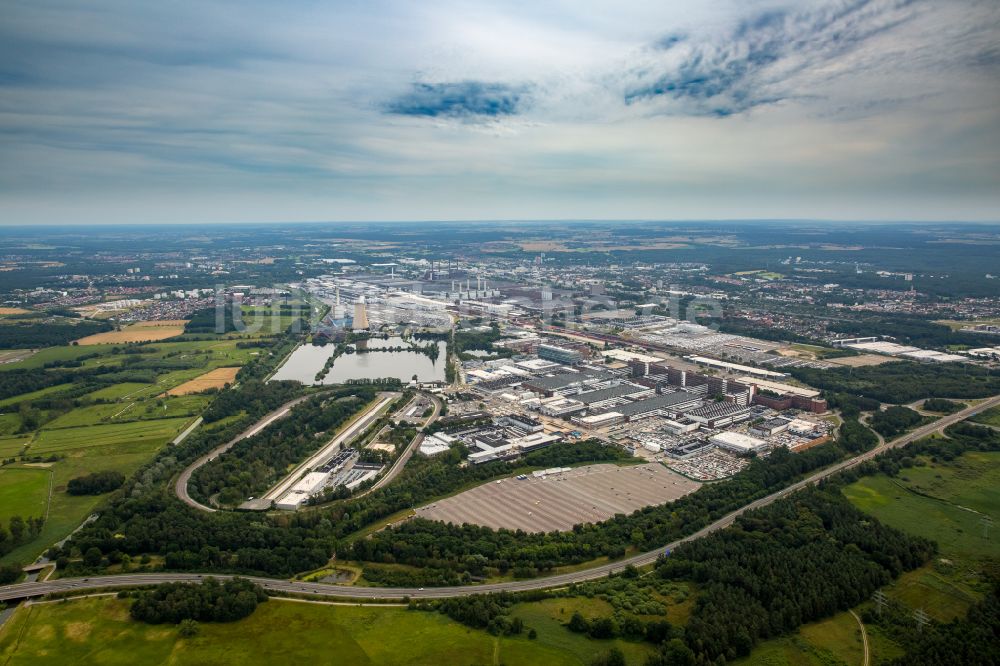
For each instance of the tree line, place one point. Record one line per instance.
(96, 483)
(19, 530)
(30, 335)
(905, 381)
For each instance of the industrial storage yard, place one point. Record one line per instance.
(560, 500)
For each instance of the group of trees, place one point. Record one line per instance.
(209, 601)
(942, 406)
(856, 438)
(257, 462)
(97, 483)
(19, 530)
(905, 381)
(895, 420)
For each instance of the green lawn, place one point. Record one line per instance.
(23, 492)
(99, 631)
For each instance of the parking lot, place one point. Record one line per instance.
(557, 502)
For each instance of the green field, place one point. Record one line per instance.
(12, 445)
(944, 502)
(141, 435)
(98, 630)
(112, 427)
(83, 450)
(836, 640)
(23, 492)
(948, 509)
(989, 417)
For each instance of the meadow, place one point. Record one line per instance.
(23, 492)
(99, 630)
(116, 426)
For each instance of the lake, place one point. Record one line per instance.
(307, 360)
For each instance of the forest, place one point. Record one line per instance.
(905, 381)
(895, 420)
(795, 561)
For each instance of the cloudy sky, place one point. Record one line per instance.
(227, 111)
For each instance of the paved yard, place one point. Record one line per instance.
(583, 495)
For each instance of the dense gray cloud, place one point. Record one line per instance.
(222, 110)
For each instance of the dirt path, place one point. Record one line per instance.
(864, 639)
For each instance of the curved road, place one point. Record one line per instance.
(181, 487)
(27, 590)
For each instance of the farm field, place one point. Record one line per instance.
(99, 630)
(140, 332)
(13, 311)
(217, 378)
(114, 426)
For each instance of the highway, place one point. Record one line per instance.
(36, 589)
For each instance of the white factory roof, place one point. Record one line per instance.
(622, 355)
(737, 441)
(883, 347)
(735, 367)
(431, 446)
(598, 419)
(537, 364)
(779, 387)
(310, 483)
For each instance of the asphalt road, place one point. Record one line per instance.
(27, 590)
(414, 444)
(181, 487)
